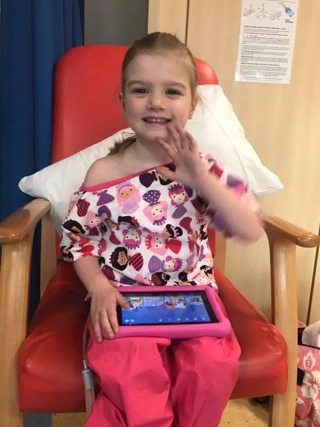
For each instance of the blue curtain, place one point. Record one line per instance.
(34, 34)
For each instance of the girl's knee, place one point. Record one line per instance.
(207, 356)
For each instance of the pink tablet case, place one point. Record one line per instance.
(219, 329)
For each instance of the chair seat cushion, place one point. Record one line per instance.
(50, 358)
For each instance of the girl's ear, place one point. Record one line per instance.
(193, 106)
(121, 100)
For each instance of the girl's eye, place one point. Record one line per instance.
(139, 90)
(173, 92)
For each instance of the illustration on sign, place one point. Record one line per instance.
(266, 41)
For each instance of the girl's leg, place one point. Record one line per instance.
(135, 384)
(204, 372)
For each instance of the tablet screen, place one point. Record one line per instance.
(164, 308)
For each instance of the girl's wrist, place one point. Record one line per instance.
(97, 286)
(203, 183)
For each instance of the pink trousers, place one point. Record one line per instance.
(158, 382)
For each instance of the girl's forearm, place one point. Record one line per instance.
(88, 270)
(239, 219)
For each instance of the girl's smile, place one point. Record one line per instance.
(156, 120)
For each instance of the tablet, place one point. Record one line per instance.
(172, 312)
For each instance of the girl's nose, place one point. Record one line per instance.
(155, 101)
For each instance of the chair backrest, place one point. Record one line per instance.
(86, 86)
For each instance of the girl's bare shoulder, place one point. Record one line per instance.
(102, 170)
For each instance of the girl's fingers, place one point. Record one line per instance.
(165, 172)
(189, 142)
(97, 329)
(192, 144)
(181, 139)
(175, 136)
(113, 319)
(171, 151)
(123, 302)
(104, 317)
(184, 143)
(106, 325)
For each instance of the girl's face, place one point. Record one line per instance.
(157, 92)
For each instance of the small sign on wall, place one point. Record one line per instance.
(266, 42)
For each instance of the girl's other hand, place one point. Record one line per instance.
(104, 301)
(183, 150)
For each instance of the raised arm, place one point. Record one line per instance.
(238, 218)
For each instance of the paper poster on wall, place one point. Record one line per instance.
(266, 42)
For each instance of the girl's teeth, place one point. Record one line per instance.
(162, 121)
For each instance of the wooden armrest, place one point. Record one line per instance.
(23, 221)
(278, 228)
(19, 227)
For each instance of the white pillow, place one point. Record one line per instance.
(218, 131)
(215, 127)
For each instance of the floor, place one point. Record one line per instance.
(239, 413)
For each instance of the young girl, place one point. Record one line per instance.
(169, 194)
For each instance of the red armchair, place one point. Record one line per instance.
(47, 357)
